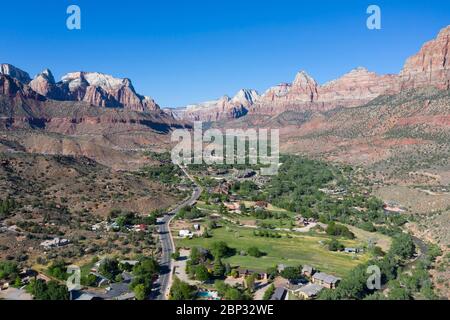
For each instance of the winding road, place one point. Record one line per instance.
(167, 243)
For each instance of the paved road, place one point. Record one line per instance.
(167, 244)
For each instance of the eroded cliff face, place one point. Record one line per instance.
(104, 90)
(430, 66)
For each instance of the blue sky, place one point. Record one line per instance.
(181, 52)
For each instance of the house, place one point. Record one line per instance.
(393, 207)
(308, 271)
(261, 204)
(185, 234)
(140, 228)
(351, 250)
(197, 227)
(130, 262)
(309, 291)
(279, 294)
(56, 242)
(243, 272)
(234, 206)
(118, 291)
(325, 280)
(82, 296)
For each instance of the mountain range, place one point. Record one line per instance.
(429, 67)
(361, 117)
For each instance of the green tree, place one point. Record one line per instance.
(403, 246)
(139, 292)
(201, 273)
(220, 249)
(254, 252)
(269, 292)
(181, 290)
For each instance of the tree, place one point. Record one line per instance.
(219, 269)
(8, 270)
(403, 246)
(291, 273)
(139, 292)
(201, 273)
(181, 290)
(335, 245)
(254, 252)
(269, 292)
(47, 291)
(220, 249)
(109, 269)
(250, 282)
(145, 273)
(339, 230)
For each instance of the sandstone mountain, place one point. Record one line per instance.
(429, 67)
(98, 89)
(223, 108)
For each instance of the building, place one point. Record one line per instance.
(197, 227)
(308, 271)
(325, 280)
(243, 272)
(185, 234)
(309, 291)
(279, 294)
(351, 250)
(140, 228)
(56, 242)
(261, 204)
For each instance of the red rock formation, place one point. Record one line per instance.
(431, 65)
(221, 109)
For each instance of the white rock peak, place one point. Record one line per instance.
(15, 72)
(104, 81)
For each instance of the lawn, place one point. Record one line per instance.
(300, 249)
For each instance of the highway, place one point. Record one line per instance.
(167, 243)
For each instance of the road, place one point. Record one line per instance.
(167, 243)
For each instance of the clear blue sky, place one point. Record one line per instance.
(181, 51)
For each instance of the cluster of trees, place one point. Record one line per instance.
(247, 189)
(145, 273)
(335, 245)
(47, 291)
(339, 230)
(402, 285)
(6, 207)
(166, 172)
(190, 213)
(199, 258)
(58, 269)
(228, 292)
(8, 270)
(255, 252)
(182, 291)
(127, 218)
(266, 234)
(265, 214)
(296, 187)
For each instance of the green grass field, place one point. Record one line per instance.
(300, 249)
